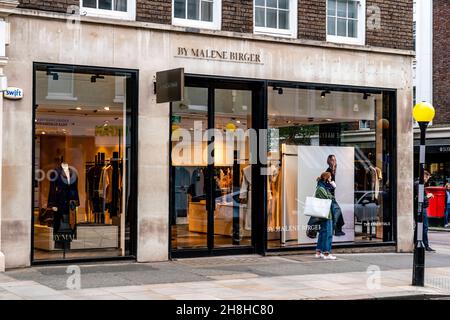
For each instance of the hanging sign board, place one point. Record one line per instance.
(170, 86)
(13, 93)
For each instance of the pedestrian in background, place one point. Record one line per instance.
(447, 205)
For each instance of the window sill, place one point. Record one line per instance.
(61, 97)
(346, 40)
(275, 33)
(106, 14)
(186, 23)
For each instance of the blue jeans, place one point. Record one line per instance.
(447, 215)
(425, 229)
(325, 236)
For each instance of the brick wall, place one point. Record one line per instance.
(237, 16)
(312, 19)
(395, 31)
(46, 5)
(396, 24)
(441, 61)
(156, 11)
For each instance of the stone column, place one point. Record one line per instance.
(6, 8)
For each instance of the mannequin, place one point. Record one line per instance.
(63, 198)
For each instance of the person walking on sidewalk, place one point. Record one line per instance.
(447, 205)
(325, 240)
(426, 204)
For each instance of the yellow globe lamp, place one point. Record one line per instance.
(230, 127)
(424, 112)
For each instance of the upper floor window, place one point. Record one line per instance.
(276, 17)
(119, 9)
(197, 13)
(346, 21)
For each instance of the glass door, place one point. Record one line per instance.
(232, 169)
(212, 139)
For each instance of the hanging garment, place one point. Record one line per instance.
(246, 194)
(378, 179)
(182, 183)
(105, 186)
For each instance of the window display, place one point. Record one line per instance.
(201, 177)
(83, 149)
(313, 131)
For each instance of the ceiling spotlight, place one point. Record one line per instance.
(55, 75)
(106, 108)
(43, 132)
(280, 90)
(78, 108)
(366, 95)
(324, 93)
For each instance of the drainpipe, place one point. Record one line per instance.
(6, 8)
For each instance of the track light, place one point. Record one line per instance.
(55, 75)
(324, 93)
(280, 90)
(95, 77)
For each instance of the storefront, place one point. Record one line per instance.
(271, 140)
(94, 108)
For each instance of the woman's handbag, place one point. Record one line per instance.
(319, 208)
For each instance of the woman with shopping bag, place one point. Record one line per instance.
(320, 207)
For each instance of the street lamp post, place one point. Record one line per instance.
(423, 113)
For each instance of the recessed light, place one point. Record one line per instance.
(79, 108)
(43, 132)
(238, 121)
(106, 108)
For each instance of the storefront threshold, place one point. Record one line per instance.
(74, 261)
(385, 247)
(213, 253)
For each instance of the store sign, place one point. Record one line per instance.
(13, 93)
(170, 86)
(219, 55)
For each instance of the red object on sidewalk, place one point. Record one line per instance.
(437, 204)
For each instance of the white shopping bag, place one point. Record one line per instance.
(318, 208)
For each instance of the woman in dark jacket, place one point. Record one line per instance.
(325, 240)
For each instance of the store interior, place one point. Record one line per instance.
(346, 121)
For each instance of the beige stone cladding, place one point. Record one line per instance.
(150, 49)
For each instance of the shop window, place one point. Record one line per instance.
(346, 21)
(364, 125)
(197, 13)
(119, 9)
(83, 196)
(276, 17)
(312, 131)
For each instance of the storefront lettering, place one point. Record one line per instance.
(244, 57)
(108, 131)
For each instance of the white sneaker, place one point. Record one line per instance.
(318, 256)
(329, 257)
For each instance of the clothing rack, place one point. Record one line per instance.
(103, 187)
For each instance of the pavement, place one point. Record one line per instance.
(250, 277)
